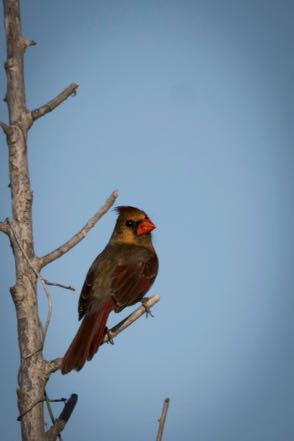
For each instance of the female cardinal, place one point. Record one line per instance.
(119, 277)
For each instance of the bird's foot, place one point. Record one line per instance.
(109, 336)
(147, 309)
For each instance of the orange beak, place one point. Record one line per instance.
(145, 227)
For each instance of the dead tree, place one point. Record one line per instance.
(34, 370)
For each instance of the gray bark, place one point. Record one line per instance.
(34, 371)
(32, 366)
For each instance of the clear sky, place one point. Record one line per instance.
(185, 107)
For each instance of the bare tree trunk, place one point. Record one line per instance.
(34, 371)
(31, 373)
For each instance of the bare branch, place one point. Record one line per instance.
(63, 418)
(53, 366)
(162, 419)
(52, 104)
(27, 43)
(59, 285)
(5, 228)
(128, 321)
(60, 251)
(55, 430)
(6, 129)
(68, 408)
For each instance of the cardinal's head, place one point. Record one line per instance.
(132, 225)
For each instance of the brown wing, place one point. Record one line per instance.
(109, 277)
(131, 281)
(95, 291)
(86, 292)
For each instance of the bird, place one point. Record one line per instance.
(119, 277)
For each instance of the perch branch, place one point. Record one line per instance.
(63, 418)
(54, 365)
(52, 104)
(60, 251)
(128, 321)
(162, 419)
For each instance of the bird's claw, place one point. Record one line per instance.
(109, 336)
(147, 309)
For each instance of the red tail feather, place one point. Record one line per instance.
(87, 339)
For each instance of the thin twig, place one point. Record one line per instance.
(49, 408)
(49, 310)
(162, 419)
(68, 408)
(49, 299)
(59, 285)
(52, 104)
(68, 245)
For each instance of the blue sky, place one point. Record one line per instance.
(187, 109)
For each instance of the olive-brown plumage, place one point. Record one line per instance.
(119, 277)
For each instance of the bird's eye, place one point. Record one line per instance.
(130, 223)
